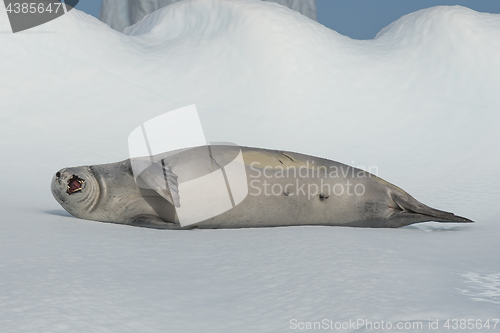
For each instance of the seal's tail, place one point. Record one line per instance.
(409, 211)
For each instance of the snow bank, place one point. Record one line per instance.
(420, 102)
(119, 14)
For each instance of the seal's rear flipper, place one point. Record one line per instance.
(161, 178)
(408, 210)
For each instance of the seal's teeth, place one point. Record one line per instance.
(74, 184)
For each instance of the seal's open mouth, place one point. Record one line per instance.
(74, 184)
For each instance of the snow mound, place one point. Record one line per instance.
(453, 41)
(120, 14)
(452, 22)
(192, 18)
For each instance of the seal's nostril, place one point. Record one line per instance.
(58, 174)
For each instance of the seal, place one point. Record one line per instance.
(277, 188)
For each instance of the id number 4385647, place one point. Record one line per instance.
(32, 7)
(470, 324)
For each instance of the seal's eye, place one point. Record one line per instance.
(74, 184)
(58, 174)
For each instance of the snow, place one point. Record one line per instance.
(119, 14)
(420, 102)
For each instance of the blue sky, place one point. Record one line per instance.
(360, 19)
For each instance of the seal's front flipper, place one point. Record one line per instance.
(161, 178)
(152, 221)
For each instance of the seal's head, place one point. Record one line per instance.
(77, 190)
